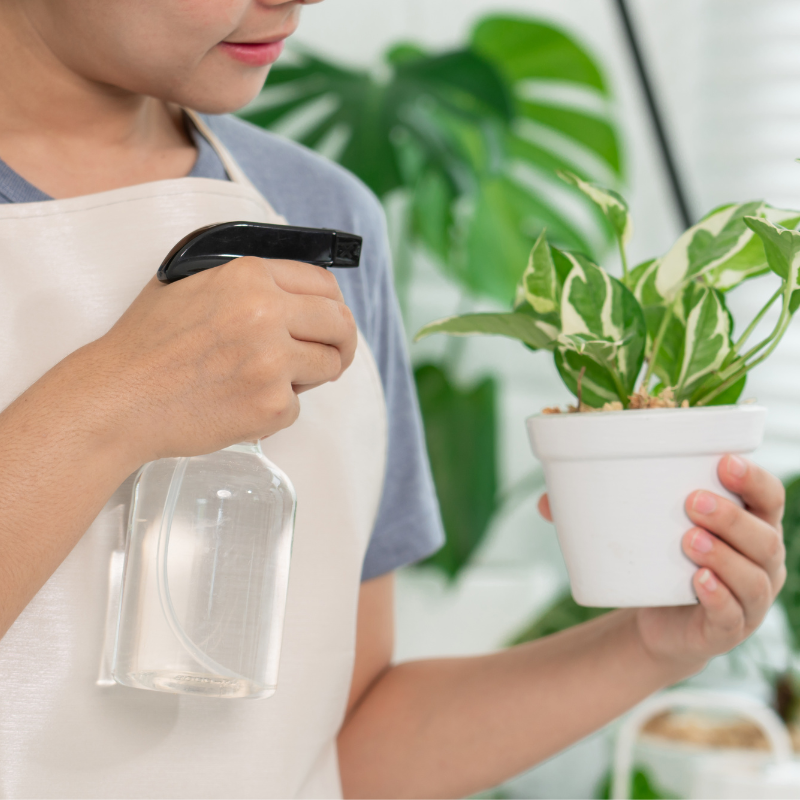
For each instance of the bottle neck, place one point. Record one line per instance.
(253, 446)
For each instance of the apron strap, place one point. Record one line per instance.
(235, 172)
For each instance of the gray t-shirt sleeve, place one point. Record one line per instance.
(408, 526)
(309, 190)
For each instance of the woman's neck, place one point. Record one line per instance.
(68, 135)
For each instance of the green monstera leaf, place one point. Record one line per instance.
(461, 437)
(455, 133)
(789, 596)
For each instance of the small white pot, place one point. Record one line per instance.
(617, 483)
(704, 772)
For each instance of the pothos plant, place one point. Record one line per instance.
(662, 334)
(462, 146)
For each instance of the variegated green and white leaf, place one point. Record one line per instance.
(751, 259)
(516, 325)
(642, 283)
(597, 384)
(707, 339)
(667, 363)
(704, 247)
(602, 351)
(539, 285)
(587, 300)
(595, 305)
(613, 205)
(782, 247)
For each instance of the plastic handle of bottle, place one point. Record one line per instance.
(162, 574)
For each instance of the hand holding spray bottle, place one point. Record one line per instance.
(209, 537)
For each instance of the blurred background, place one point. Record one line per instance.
(457, 114)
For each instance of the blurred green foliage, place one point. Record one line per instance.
(642, 788)
(790, 594)
(461, 437)
(457, 132)
(563, 613)
(468, 141)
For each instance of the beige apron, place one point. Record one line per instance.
(68, 269)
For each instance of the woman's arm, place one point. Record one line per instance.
(189, 368)
(62, 456)
(452, 727)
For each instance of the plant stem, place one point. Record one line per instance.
(624, 257)
(456, 345)
(621, 391)
(753, 350)
(722, 387)
(734, 366)
(772, 340)
(662, 332)
(751, 327)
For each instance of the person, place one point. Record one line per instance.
(115, 143)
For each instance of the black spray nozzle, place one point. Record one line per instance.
(217, 244)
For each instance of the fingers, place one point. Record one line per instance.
(751, 536)
(299, 278)
(740, 550)
(324, 321)
(742, 578)
(315, 309)
(544, 507)
(313, 364)
(725, 624)
(762, 493)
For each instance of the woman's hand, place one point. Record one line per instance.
(741, 557)
(219, 357)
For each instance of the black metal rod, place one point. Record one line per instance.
(655, 116)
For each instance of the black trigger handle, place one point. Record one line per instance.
(214, 245)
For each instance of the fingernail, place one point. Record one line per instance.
(707, 580)
(704, 503)
(702, 542)
(737, 466)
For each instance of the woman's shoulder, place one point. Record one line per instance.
(304, 186)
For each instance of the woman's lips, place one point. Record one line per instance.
(257, 54)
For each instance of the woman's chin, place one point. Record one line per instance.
(220, 95)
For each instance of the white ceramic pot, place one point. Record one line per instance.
(617, 483)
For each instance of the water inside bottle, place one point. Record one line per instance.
(199, 684)
(206, 575)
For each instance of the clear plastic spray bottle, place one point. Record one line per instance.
(209, 537)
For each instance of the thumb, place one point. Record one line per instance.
(544, 507)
